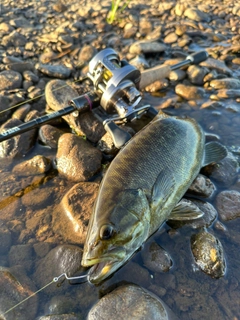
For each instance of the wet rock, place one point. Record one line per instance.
(224, 172)
(55, 71)
(157, 85)
(77, 160)
(4, 105)
(15, 287)
(60, 305)
(189, 92)
(196, 15)
(5, 239)
(155, 258)
(128, 302)
(208, 254)
(36, 165)
(202, 186)
(226, 83)
(217, 65)
(62, 259)
(30, 76)
(70, 218)
(229, 93)
(196, 74)
(59, 317)
(18, 145)
(228, 204)
(87, 53)
(21, 255)
(10, 80)
(21, 112)
(38, 198)
(85, 124)
(177, 75)
(50, 135)
(146, 47)
(206, 220)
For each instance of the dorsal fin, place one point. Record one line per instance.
(214, 152)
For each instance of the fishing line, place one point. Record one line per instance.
(55, 279)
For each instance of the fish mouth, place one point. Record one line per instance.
(101, 271)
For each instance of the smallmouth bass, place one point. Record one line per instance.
(142, 188)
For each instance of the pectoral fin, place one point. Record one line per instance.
(185, 210)
(214, 152)
(162, 188)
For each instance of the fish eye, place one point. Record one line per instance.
(106, 232)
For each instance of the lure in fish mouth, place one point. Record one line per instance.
(143, 188)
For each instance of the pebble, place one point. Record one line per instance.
(5, 239)
(189, 92)
(16, 286)
(196, 74)
(18, 145)
(202, 187)
(228, 204)
(55, 71)
(14, 39)
(70, 218)
(128, 302)
(59, 317)
(50, 135)
(34, 166)
(77, 160)
(227, 83)
(208, 253)
(10, 80)
(228, 93)
(146, 47)
(4, 105)
(217, 65)
(155, 258)
(225, 171)
(196, 15)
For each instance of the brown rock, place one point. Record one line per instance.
(228, 204)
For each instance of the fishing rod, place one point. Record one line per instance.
(116, 97)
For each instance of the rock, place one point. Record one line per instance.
(14, 39)
(38, 198)
(210, 214)
(146, 47)
(20, 22)
(196, 15)
(228, 93)
(62, 259)
(87, 53)
(30, 76)
(202, 186)
(18, 145)
(60, 305)
(4, 106)
(228, 204)
(50, 135)
(36, 165)
(21, 112)
(55, 71)
(189, 92)
(196, 74)
(177, 75)
(77, 160)
(85, 124)
(21, 255)
(208, 254)
(10, 80)
(5, 238)
(15, 286)
(171, 38)
(71, 217)
(155, 258)
(128, 302)
(59, 317)
(224, 172)
(226, 83)
(217, 65)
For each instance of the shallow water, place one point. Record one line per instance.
(190, 293)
